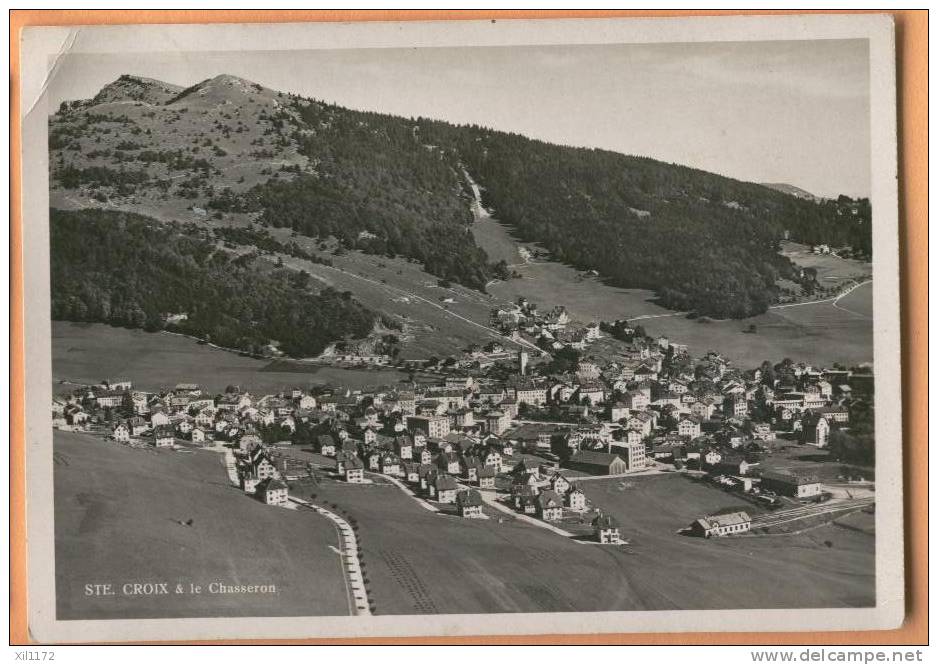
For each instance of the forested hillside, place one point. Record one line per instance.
(701, 241)
(235, 152)
(128, 270)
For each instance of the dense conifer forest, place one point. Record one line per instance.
(702, 242)
(128, 270)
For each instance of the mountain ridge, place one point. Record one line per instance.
(227, 151)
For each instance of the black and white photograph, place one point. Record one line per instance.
(529, 326)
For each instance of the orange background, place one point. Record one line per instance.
(912, 82)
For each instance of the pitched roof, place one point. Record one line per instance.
(485, 471)
(272, 484)
(605, 522)
(444, 482)
(426, 470)
(468, 498)
(549, 499)
(595, 457)
(792, 477)
(729, 519)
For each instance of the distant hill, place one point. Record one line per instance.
(227, 152)
(791, 189)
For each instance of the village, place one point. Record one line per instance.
(520, 434)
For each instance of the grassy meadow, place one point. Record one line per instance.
(88, 353)
(118, 514)
(741, 572)
(419, 562)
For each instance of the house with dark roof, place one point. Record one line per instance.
(732, 464)
(390, 464)
(163, 436)
(468, 466)
(469, 503)
(404, 446)
(272, 491)
(559, 483)
(815, 429)
(606, 530)
(341, 459)
(524, 498)
(448, 463)
(326, 443)
(493, 458)
(411, 471)
(525, 466)
(445, 488)
(597, 463)
(354, 470)
(549, 506)
(485, 477)
(427, 474)
(576, 499)
(796, 484)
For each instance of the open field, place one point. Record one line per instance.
(862, 521)
(831, 269)
(418, 562)
(793, 456)
(790, 571)
(117, 520)
(816, 333)
(88, 353)
(494, 238)
(858, 302)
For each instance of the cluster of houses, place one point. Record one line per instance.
(183, 413)
(551, 330)
(535, 490)
(649, 403)
(450, 470)
(656, 404)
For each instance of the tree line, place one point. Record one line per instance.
(129, 270)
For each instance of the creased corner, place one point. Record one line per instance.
(67, 45)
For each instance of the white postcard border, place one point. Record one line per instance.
(39, 49)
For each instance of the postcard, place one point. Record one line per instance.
(462, 328)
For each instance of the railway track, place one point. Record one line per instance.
(813, 510)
